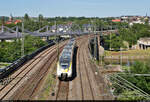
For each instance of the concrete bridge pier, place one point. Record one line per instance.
(144, 43)
(141, 46)
(47, 38)
(144, 47)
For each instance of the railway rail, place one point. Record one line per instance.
(79, 88)
(31, 86)
(87, 85)
(62, 88)
(25, 72)
(63, 91)
(16, 74)
(84, 86)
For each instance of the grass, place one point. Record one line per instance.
(52, 37)
(4, 64)
(97, 62)
(128, 53)
(125, 68)
(49, 86)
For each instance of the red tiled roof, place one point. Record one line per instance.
(15, 22)
(8, 22)
(116, 20)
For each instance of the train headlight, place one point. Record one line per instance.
(66, 70)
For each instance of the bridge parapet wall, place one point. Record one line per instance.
(144, 43)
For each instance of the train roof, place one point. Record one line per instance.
(66, 53)
(73, 39)
(65, 57)
(70, 43)
(68, 47)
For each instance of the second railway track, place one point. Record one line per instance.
(30, 86)
(19, 71)
(7, 90)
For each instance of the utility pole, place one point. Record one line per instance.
(17, 33)
(110, 37)
(22, 44)
(57, 41)
(110, 40)
(121, 58)
(3, 24)
(99, 42)
(95, 39)
(93, 28)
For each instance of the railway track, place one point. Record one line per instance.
(86, 71)
(95, 79)
(79, 69)
(84, 80)
(101, 90)
(77, 87)
(85, 86)
(31, 86)
(16, 74)
(83, 89)
(63, 90)
(24, 73)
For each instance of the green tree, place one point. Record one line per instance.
(11, 51)
(26, 17)
(40, 18)
(114, 42)
(142, 82)
(130, 95)
(32, 43)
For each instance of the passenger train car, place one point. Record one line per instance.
(64, 65)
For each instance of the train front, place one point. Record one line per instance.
(64, 66)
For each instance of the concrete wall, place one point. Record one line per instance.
(144, 43)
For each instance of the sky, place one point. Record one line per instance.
(78, 8)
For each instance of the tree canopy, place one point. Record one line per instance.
(11, 51)
(131, 35)
(142, 82)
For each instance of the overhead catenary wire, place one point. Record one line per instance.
(133, 85)
(130, 85)
(134, 74)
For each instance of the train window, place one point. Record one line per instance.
(64, 65)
